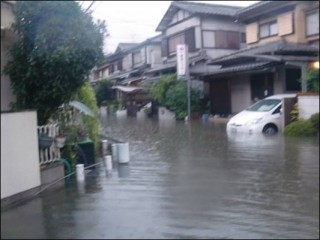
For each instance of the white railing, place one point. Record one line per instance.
(52, 153)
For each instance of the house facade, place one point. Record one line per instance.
(209, 30)
(283, 42)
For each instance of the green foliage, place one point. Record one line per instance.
(58, 46)
(159, 89)
(104, 93)
(295, 113)
(172, 94)
(313, 80)
(314, 119)
(300, 128)
(86, 95)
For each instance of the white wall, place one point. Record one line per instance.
(308, 105)
(219, 24)
(192, 22)
(20, 169)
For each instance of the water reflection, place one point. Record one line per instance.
(191, 181)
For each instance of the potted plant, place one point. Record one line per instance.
(60, 140)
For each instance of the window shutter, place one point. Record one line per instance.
(164, 47)
(111, 68)
(190, 39)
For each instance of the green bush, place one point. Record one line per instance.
(172, 94)
(300, 128)
(87, 96)
(314, 119)
(104, 93)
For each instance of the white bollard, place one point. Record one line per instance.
(123, 152)
(108, 162)
(104, 147)
(114, 149)
(80, 172)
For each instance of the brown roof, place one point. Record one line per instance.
(196, 8)
(275, 48)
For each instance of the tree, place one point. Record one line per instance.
(104, 92)
(172, 94)
(58, 46)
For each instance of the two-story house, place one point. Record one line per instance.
(125, 67)
(283, 41)
(209, 30)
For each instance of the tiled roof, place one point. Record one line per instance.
(276, 47)
(255, 6)
(125, 46)
(244, 67)
(205, 8)
(196, 8)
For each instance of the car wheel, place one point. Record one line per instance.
(269, 129)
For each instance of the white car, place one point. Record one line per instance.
(263, 116)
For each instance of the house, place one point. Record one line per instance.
(209, 30)
(125, 68)
(283, 41)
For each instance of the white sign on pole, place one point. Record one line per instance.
(182, 60)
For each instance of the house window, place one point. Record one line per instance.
(208, 39)
(137, 57)
(243, 37)
(227, 40)
(312, 22)
(174, 41)
(268, 29)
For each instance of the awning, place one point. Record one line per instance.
(128, 89)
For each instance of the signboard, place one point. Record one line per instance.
(182, 60)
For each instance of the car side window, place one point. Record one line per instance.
(277, 110)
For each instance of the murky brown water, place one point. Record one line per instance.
(185, 181)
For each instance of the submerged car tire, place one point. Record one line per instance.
(270, 129)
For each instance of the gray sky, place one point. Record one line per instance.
(135, 21)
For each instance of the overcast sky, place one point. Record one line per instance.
(135, 21)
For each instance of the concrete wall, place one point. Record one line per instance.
(20, 169)
(165, 114)
(308, 105)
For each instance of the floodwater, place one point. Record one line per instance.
(184, 181)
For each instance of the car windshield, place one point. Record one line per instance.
(264, 105)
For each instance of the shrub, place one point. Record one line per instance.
(314, 119)
(87, 96)
(104, 93)
(172, 94)
(300, 128)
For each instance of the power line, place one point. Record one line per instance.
(90, 6)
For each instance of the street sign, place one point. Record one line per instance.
(182, 60)
(183, 71)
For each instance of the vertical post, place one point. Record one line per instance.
(189, 98)
(183, 71)
(304, 67)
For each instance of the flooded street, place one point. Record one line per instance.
(184, 181)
